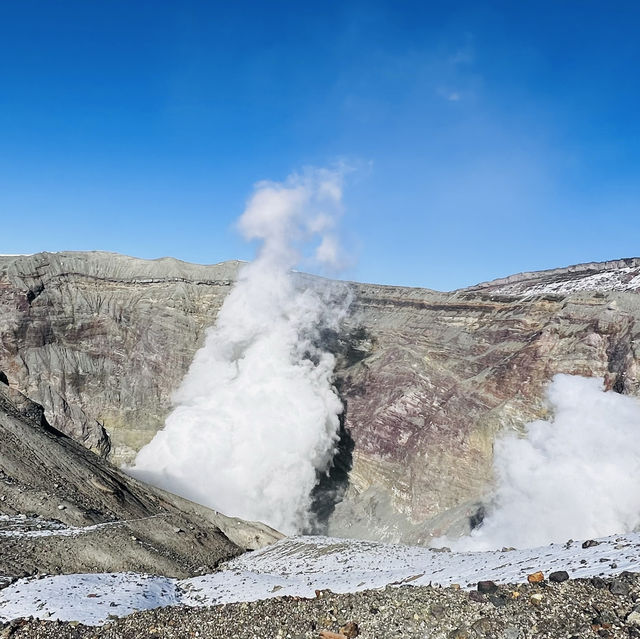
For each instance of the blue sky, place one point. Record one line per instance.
(489, 137)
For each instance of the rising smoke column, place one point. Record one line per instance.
(576, 476)
(256, 417)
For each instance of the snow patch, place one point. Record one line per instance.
(89, 599)
(621, 279)
(22, 526)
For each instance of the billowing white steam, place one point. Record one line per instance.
(256, 417)
(576, 476)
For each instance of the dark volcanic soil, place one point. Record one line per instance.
(580, 608)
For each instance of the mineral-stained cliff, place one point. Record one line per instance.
(101, 340)
(428, 378)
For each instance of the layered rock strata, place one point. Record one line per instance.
(428, 378)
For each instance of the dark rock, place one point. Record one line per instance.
(599, 582)
(3, 378)
(499, 601)
(487, 587)
(476, 596)
(619, 587)
(476, 519)
(590, 543)
(559, 576)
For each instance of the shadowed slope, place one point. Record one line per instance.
(64, 509)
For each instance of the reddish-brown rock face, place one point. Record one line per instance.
(445, 372)
(428, 378)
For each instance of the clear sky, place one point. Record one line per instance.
(489, 137)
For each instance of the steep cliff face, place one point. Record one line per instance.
(428, 378)
(445, 372)
(101, 340)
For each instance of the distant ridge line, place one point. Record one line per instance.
(586, 267)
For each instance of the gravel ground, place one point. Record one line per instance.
(581, 608)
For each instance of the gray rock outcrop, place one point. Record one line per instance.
(66, 510)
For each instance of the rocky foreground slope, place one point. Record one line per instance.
(323, 585)
(597, 607)
(66, 510)
(428, 378)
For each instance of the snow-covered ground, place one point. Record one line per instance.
(300, 566)
(621, 279)
(23, 526)
(90, 599)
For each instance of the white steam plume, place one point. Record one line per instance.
(576, 476)
(256, 417)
